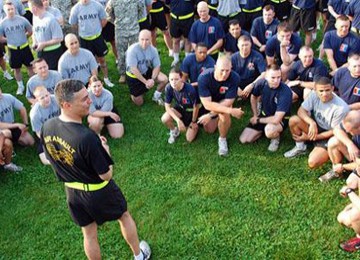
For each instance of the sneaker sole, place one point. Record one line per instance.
(299, 154)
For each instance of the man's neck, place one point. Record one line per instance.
(69, 118)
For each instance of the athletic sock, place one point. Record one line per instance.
(300, 145)
(139, 256)
(176, 56)
(157, 94)
(20, 83)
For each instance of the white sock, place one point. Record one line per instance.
(20, 83)
(300, 145)
(176, 56)
(222, 138)
(157, 94)
(139, 256)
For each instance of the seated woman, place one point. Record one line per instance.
(102, 110)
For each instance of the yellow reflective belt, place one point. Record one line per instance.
(18, 47)
(297, 8)
(252, 10)
(86, 187)
(234, 14)
(355, 30)
(190, 109)
(214, 52)
(212, 7)
(142, 19)
(52, 47)
(130, 75)
(27, 9)
(157, 10)
(278, 1)
(90, 38)
(183, 17)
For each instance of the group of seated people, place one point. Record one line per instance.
(267, 67)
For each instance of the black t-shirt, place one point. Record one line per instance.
(74, 151)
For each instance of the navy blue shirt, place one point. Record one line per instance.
(304, 4)
(181, 7)
(230, 44)
(263, 32)
(208, 86)
(339, 6)
(341, 47)
(194, 68)
(273, 99)
(273, 47)
(316, 70)
(252, 4)
(353, 10)
(208, 33)
(347, 86)
(248, 68)
(187, 97)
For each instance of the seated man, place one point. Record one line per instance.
(195, 63)
(347, 81)
(217, 89)
(263, 28)
(341, 145)
(102, 110)
(340, 43)
(77, 63)
(304, 72)
(143, 70)
(350, 215)
(43, 77)
(231, 38)
(207, 30)
(185, 111)
(18, 131)
(275, 112)
(45, 108)
(249, 64)
(6, 153)
(283, 48)
(315, 120)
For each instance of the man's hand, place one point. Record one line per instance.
(115, 117)
(353, 152)
(284, 43)
(149, 83)
(247, 90)
(342, 191)
(313, 131)
(237, 112)
(204, 119)
(301, 138)
(194, 126)
(104, 144)
(181, 125)
(293, 83)
(253, 120)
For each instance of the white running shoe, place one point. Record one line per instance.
(295, 151)
(20, 90)
(12, 167)
(108, 82)
(173, 135)
(274, 144)
(223, 147)
(8, 76)
(158, 100)
(145, 249)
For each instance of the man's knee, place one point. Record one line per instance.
(139, 101)
(271, 131)
(333, 142)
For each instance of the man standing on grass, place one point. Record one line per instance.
(81, 159)
(217, 90)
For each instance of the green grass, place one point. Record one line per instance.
(188, 202)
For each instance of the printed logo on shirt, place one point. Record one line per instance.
(275, 100)
(223, 89)
(311, 75)
(268, 34)
(202, 69)
(356, 91)
(211, 29)
(344, 47)
(185, 101)
(251, 66)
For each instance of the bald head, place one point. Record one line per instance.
(72, 43)
(222, 68)
(203, 11)
(145, 38)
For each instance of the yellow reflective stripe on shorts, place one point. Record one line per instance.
(157, 10)
(297, 8)
(234, 14)
(52, 47)
(18, 47)
(130, 74)
(142, 19)
(278, 1)
(355, 30)
(214, 52)
(86, 187)
(212, 7)
(90, 38)
(183, 17)
(252, 10)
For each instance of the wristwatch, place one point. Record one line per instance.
(349, 190)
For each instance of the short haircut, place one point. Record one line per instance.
(268, 8)
(354, 55)
(273, 67)
(200, 44)
(284, 27)
(343, 18)
(38, 89)
(234, 22)
(323, 81)
(65, 90)
(93, 79)
(176, 70)
(38, 60)
(37, 3)
(244, 38)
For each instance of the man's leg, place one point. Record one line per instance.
(96, 123)
(249, 135)
(91, 243)
(129, 232)
(318, 157)
(224, 124)
(116, 130)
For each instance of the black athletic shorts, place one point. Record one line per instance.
(108, 120)
(145, 25)
(249, 18)
(97, 46)
(108, 32)
(180, 28)
(299, 91)
(261, 127)
(15, 134)
(100, 206)
(186, 116)
(158, 20)
(282, 10)
(2, 50)
(226, 19)
(51, 57)
(322, 6)
(304, 19)
(136, 87)
(19, 57)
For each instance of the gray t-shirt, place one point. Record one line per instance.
(77, 66)
(103, 103)
(88, 18)
(55, 12)
(46, 28)
(39, 114)
(15, 29)
(49, 83)
(228, 7)
(7, 105)
(19, 7)
(327, 115)
(142, 59)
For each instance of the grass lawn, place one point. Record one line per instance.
(188, 202)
